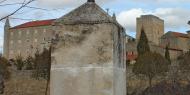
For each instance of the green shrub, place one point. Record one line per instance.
(19, 62)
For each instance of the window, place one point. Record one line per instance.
(35, 31)
(11, 42)
(44, 31)
(35, 40)
(27, 32)
(20, 33)
(19, 41)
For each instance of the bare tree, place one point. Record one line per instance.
(22, 5)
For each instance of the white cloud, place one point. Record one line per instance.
(1, 45)
(128, 18)
(175, 18)
(3, 14)
(163, 1)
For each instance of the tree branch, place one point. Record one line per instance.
(22, 6)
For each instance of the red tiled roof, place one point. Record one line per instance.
(131, 57)
(177, 34)
(35, 23)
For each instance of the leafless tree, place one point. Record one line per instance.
(24, 4)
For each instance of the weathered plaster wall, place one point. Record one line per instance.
(83, 63)
(84, 44)
(88, 80)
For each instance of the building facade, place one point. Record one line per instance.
(25, 39)
(153, 26)
(176, 40)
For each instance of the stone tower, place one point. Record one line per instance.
(89, 55)
(153, 27)
(6, 38)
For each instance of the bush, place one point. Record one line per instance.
(4, 72)
(150, 65)
(19, 62)
(42, 64)
(4, 68)
(29, 63)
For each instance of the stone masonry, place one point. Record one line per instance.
(25, 39)
(153, 27)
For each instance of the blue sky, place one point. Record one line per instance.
(175, 13)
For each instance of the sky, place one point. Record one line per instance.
(175, 13)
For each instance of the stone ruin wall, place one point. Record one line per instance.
(153, 27)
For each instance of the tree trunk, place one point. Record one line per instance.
(47, 86)
(150, 82)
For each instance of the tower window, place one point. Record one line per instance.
(35, 40)
(11, 42)
(19, 41)
(20, 33)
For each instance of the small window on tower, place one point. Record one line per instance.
(35, 40)
(11, 42)
(20, 32)
(19, 41)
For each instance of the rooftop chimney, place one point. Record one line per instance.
(91, 0)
